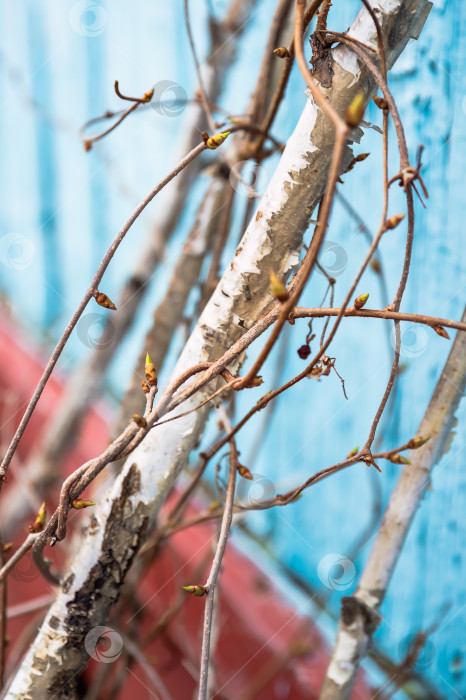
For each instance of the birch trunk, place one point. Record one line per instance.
(359, 615)
(112, 537)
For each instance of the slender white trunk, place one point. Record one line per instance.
(360, 616)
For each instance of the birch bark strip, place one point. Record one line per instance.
(359, 615)
(113, 535)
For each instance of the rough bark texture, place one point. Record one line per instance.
(273, 239)
(359, 615)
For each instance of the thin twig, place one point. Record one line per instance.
(216, 564)
(19, 554)
(83, 303)
(305, 270)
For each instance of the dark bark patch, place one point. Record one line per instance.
(354, 610)
(322, 61)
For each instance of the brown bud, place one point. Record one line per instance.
(278, 287)
(376, 266)
(257, 381)
(416, 442)
(145, 386)
(244, 472)
(197, 591)
(355, 111)
(214, 505)
(360, 301)
(148, 95)
(356, 159)
(300, 647)
(80, 503)
(139, 420)
(381, 102)
(87, 146)
(440, 330)
(393, 221)
(362, 156)
(282, 52)
(151, 373)
(399, 459)
(7, 546)
(103, 300)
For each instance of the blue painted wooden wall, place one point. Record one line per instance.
(60, 207)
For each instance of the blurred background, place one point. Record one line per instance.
(60, 207)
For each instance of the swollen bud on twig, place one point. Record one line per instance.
(440, 330)
(375, 265)
(353, 453)
(416, 442)
(80, 503)
(355, 111)
(145, 386)
(244, 472)
(393, 221)
(257, 381)
(215, 505)
(215, 141)
(381, 102)
(87, 146)
(197, 591)
(398, 459)
(139, 420)
(358, 159)
(39, 522)
(147, 96)
(360, 301)
(278, 287)
(151, 373)
(103, 300)
(282, 52)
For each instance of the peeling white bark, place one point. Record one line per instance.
(273, 239)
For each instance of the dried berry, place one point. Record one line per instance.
(304, 351)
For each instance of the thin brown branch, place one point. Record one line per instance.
(341, 131)
(90, 140)
(83, 303)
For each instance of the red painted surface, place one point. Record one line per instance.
(263, 648)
